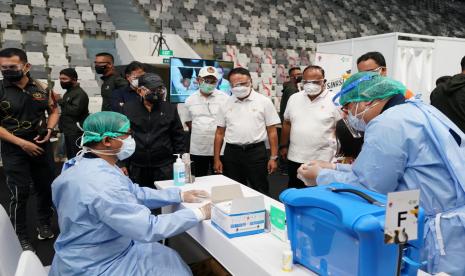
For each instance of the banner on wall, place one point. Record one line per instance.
(337, 69)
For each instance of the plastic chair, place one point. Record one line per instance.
(29, 264)
(10, 249)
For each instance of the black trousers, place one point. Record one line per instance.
(247, 166)
(202, 165)
(70, 144)
(21, 170)
(292, 168)
(146, 176)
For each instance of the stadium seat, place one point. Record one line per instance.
(22, 10)
(12, 35)
(5, 20)
(41, 22)
(58, 23)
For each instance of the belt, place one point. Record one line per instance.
(247, 146)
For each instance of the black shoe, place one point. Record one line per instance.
(45, 232)
(26, 245)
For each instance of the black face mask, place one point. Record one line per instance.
(66, 84)
(153, 97)
(13, 75)
(100, 69)
(298, 79)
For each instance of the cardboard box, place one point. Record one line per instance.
(235, 215)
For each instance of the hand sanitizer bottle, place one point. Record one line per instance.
(287, 258)
(179, 172)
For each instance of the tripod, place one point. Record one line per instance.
(159, 43)
(160, 38)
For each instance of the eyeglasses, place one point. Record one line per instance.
(345, 109)
(247, 83)
(208, 81)
(123, 133)
(158, 90)
(133, 77)
(376, 70)
(12, 67)
(304, 82)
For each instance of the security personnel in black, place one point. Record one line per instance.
(157, 130)
(25, 133)
(112, 80)
(74, 109)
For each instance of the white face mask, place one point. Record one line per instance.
(312, 89)
(127, 149)
(240, 91)
(135, 83)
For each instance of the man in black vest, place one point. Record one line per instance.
(74, 109)
(25, 133)
(112, 80)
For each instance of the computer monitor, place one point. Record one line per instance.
(184, 72)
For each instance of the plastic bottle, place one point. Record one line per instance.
(287, 258)
(179, 172)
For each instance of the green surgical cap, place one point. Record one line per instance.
(104, 124)
(368, 86)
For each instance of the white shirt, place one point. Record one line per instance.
(246, 121)
(313, 127)
(202, 112)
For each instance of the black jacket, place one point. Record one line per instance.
(74, 108)
(159, 134)
(289, 89)
(449, 98)
(110, 83)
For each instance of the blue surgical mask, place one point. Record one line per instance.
(356, 121)
(127, 149)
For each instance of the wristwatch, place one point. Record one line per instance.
(274, 157)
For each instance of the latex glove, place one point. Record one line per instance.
(194, 196)
(308, 174)
(206, 211)
(323, 164)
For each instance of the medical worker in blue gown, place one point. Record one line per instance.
(105, 220)
(408, 145)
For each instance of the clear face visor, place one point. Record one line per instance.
(343, 111)
(345, 117)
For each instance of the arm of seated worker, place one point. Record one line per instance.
(343, 167)
(153, 199)
(121, 211)
(380, 164)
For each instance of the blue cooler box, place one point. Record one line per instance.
(341, 232)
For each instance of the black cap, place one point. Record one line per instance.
(151, 81)
(70, 72)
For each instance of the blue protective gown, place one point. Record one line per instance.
(410, 146)
(107, 227)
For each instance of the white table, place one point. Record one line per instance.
(255, 255)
